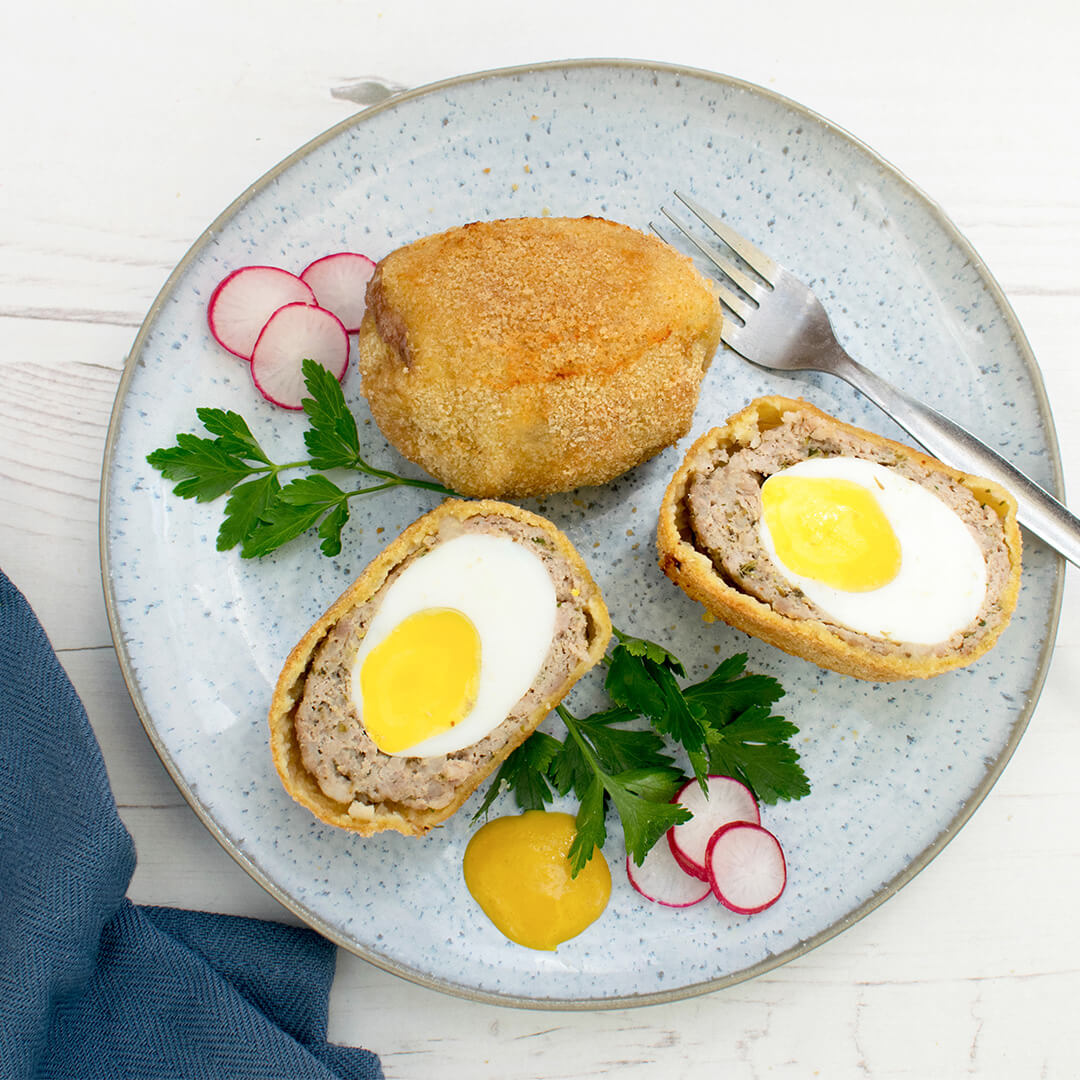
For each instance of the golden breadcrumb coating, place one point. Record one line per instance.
(531, 355)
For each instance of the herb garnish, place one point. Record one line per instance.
(261, 513)
(723, 723)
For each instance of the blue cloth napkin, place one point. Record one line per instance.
(93, 986)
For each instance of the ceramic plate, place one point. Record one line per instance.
(201, 635)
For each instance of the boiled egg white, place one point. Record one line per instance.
(457, 640)
(875, 551)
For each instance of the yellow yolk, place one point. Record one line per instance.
(518, 872)
(832, 530)
(421, 679)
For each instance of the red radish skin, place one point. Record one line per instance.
(294, 333)
(747, 871)
(660, 878)
(728, 800)
(339, 282)
(243, 301)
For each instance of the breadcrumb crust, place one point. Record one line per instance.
(531, 355)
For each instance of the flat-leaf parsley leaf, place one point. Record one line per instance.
(261, 513)
(724, 723)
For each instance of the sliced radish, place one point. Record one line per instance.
(660, 878)
(339, 282)
(726, 800)
(747, 872)
(295, 333)
(242, 302)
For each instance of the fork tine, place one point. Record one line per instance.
(727, 267)
(728, 297)
(753, 257)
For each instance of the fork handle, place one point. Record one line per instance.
(1037, 509)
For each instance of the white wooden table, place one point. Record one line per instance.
(125, 128)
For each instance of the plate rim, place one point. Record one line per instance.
(310, 918)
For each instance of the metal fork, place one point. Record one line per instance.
(781, 324)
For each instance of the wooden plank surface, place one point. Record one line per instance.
(126, 128)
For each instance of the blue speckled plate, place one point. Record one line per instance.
(201, 636)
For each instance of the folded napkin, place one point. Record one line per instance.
(92, 985)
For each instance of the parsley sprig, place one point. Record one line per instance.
(262, 513)
(724, 723)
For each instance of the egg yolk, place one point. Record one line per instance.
(831, 530)
(518, 871)
(421, 679)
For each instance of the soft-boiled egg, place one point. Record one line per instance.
(875, 551)
(458, 639)
(518, 871)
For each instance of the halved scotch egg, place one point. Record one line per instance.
(445, 655)
(842, 547)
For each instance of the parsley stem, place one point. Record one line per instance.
(570, 720)
(393, 480)
(271, 467)
(360, 465)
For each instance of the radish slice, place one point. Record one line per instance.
(727, 800)
(294, 333)
(746, 865)
(660, 878)
(339, 282)
(242, 302)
